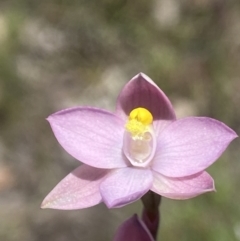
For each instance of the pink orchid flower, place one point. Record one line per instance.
(138, 148)
(133, 229)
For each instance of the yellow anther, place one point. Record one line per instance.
(142, 115)
(139, 120)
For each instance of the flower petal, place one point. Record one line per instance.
(141, 91)
(133, 229)
(182, 188)
(190, 145)
(79, 189)
(125, 185)
(92, 136)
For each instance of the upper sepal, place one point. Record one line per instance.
(141, 91)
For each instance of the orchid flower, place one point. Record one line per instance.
(139, 147)
(133, 229)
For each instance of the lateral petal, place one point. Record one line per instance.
(92, 136)
(188, 146)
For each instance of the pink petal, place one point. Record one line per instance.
(133, 229)
(125, 185)
(79, 189)
(182, 188)
(141, 91)
(92, 136)
(190, 145)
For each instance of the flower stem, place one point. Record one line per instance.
(151, 215)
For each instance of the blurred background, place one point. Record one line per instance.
(58, 54)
